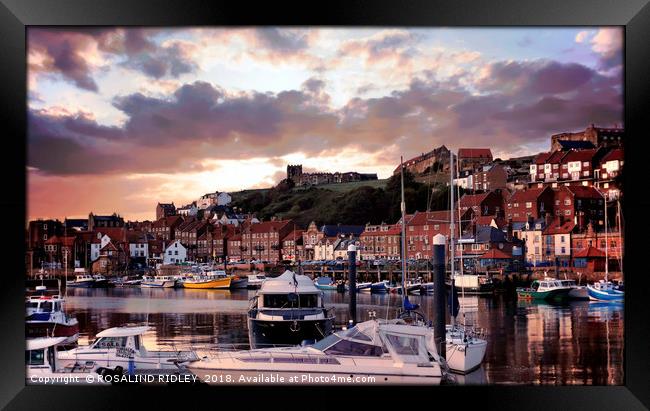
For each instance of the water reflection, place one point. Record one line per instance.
(530, 343)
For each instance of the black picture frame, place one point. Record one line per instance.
(16, 15)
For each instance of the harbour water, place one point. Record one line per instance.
(579, 343)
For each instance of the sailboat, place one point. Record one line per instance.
(604, 290)
(465, 346)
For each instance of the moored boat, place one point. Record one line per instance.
(380, 287)
(45, 317)
(255, 281)
(118, 346)
(372, 352)
(82, 280)
(549, 290)
(325, 284)
(604, 291)
(288, 310)
(157, 282)
(578, 292)
(42, 365)
(207, 282)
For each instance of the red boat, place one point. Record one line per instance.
(46, 318)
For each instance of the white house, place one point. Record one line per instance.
(175, 253)
(324, 250)
(139, 249)
(97, 245)
(189, 210)
(215, 198)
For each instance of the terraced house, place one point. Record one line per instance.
(381, 241)
(263, 241)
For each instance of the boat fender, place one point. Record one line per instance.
(294, 327)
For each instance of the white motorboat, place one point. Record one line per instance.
(42, 366)
(158, 282)
(256, 280)
(118, 346)
(288, 309)
(372, 352)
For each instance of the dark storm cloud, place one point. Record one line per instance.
(64, 52)
(517, 104)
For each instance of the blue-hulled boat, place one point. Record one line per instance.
(380, 287)
(325, 284)
(604, 291)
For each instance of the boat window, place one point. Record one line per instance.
(46, 307)
(110, 342)
(356, 334)
(136, 342)
(535, 286)
(283, 301)
(31, 305)
(296, 360)
(346, 347)
(326, 342)
(35, 357)
(404, 345)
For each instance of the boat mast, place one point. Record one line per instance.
(620, 235)
(606, 240)
(403, 210)
(452, 228)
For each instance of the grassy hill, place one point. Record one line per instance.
(347, 203)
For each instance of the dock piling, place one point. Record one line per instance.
(439, 293)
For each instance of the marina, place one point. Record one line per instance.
(530, 342)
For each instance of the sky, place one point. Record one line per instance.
(122, 118)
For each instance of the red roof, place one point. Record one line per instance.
(472, 200)
(432, 217)
(557, 228)
(580, 155)
(526, 195)
(474, 153)
(541, 158)
(293, 235)
(495, 254)
(268, 226)
(584, 192)
(589, 252)
(555, 158)
(615, 154)
(115, 233)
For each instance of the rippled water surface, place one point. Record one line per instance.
(529, 343)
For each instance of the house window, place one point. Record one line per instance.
(411, 228)
(529, 204)
(426, 228)
(436, 227)
(563, 250)
(567, 201)
(567, 212)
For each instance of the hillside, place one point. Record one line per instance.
(349, 203)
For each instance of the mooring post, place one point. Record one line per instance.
(439, 293)
(352, 273)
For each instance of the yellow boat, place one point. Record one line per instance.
(208, 283)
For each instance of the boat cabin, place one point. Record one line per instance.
(40, 353)
(289, 291)
(43, 305)
(405, 344)
(84, 277)
(125, 339)
(547, 284)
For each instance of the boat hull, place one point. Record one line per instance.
(219, 284)
(326, 287)
(464, 358)
(579, 293)
(51, 329)
(162, 284)
(604, 295)
(550, 295)
(81, 284)
(239, 282)
(265, 333)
